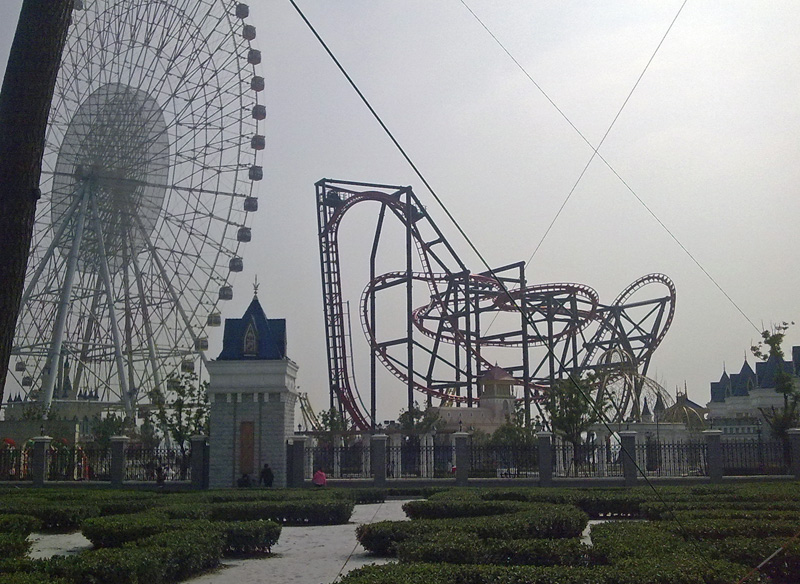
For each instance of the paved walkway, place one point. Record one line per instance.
(309, 555)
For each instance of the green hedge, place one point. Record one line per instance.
(21, 524)
(678, 571)
(784, 568)
(159, 559)
(249, 537)
(704, 529)
(615, 541)
(461, 548)
(54, 516)
(446, 508)
(25, 578)
(302, 512)
(14, 545)
(537, 522)
(116, 530)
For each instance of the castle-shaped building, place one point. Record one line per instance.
(252, 395)
(737, 399)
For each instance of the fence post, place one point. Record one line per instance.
(544, 443)
(628, 454)
(39, 459)
(296, 454)
(794, 443)
(714, 454)
(378, 455)
(462, 461)
(197, 461)
(118, 463)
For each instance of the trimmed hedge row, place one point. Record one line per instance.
(21, 524)
(615, 541)
(783, 569)
(245, 538)
(705, 529)
(14, 545)
(53, 515)
(301, 512)
(116, 530)
(539, 522)
(446, 508)
(460, 548)
(158, 559)
(680, 571)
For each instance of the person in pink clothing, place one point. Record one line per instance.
(319, 480)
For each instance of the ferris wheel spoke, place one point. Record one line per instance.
(105, 272)
(63, 305)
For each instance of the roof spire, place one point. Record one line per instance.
(255, 287)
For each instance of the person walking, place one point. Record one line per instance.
(266, 477)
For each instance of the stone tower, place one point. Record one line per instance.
(252, 397)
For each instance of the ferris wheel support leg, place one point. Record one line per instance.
(151, 350)
(174, 295)
(50, 250)
(51, 365)
(105, 273)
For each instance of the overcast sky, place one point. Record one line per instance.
(710, 141)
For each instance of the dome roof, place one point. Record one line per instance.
(685, 411)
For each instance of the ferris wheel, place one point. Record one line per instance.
(148, 177)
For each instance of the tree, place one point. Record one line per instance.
(183, 411)
(24, 108)
(572, 410)
(780, 420)
(415, 421)
(112, 425)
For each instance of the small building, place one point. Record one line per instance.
(495, 408)
(252, 397)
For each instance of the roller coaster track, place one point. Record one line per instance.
(556, 316)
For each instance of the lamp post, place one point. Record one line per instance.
(760, 451)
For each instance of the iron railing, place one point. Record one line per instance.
(142, 464)
(14, 464)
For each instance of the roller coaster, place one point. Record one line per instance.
(540, 333)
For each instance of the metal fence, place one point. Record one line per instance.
(504, 461)
(750, 457)
(78, 463)
(14, 464)
(412, 457)
(142, 464)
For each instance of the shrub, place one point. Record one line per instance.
(537, 522)
(617, 540)
(303, 512)
(249, 537)
(440, 509)
(183, 553)
(24, 578)
(56, 516)
(781, 569)
(187, 511)
(14, 545)
(115, 530)
(21, 524)
(677, 571)
(704, 529)
(460, 548)
(107, 565)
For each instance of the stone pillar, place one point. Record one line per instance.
(378, 454)
(198, 460)
(714, 454)
(39, 459)
(462, 460)
(628, 454)
(296, 455)
(794, 443)
(544, 441)
(119, 445)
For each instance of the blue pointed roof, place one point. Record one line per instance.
(254, 336)
(742, 382)
(767, 370)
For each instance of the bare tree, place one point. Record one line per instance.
(24, 107)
